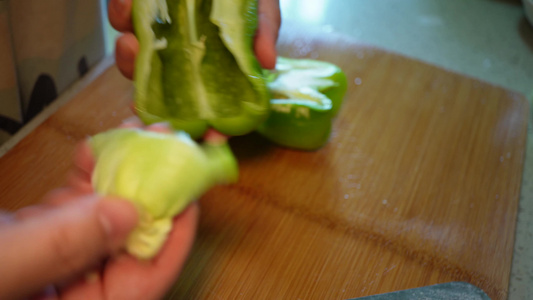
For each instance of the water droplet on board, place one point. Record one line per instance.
(358, 81)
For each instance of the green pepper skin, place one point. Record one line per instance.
(307, 95)
(297, 125)
(196, 67)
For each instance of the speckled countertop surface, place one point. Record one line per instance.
(487, 39)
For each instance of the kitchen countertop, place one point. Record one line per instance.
(489, 40)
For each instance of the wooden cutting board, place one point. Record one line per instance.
(418, 185)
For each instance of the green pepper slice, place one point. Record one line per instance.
(307, 95)
(196, 67)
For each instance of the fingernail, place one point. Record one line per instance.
(117, 217)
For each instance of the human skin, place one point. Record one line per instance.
(70, 245)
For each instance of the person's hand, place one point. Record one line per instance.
(69, 246)
(127, 46)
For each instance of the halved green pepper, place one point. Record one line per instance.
(307, 94)
(196, 67)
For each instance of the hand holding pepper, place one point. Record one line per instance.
(67, 247)
(127, 45)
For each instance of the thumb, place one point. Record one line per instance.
(61, 243)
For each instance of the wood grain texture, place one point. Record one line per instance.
(40, 162)
(418, 185)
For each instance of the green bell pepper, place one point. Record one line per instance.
(160, 174)
(196, 66)
(307, 95)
